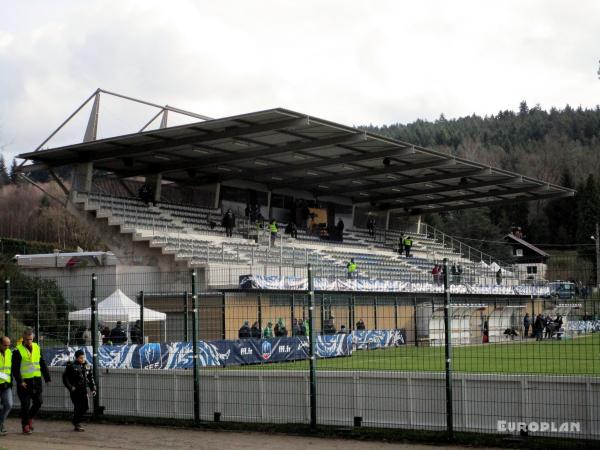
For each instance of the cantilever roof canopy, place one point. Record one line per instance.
(282, 149)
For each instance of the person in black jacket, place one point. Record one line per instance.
(118, 335)
(77, 377)
(244, 331)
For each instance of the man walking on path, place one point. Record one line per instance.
(28, 367)
(77, 377)
(6, 396)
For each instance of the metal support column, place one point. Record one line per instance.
(448, 353)
(142, 328)
(7, 307)
(98, 410)
(195, 348)
(37, 314)
(223, 322)
(186, 319)
(312, 361)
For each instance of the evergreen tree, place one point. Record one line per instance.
(4, 178)
(588, 213)
(562, 214)
(14, 172)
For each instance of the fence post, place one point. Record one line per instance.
(94, 326)
(312, 361)
(223, 316)
(185, 317)
(448, 353)
(7, 307)
(37, 314)
(195, 348)
(142, 330)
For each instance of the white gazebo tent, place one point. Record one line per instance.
(118, 307)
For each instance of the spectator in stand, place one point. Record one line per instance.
(340, 230)
(292, 229)
(228, 222)
(459, 272)
(538, 327)
(118, 335)
(499, 277)
(87, 337)
(268, 331)
(352, 269)
(435, 272)
(329, 326)
(280, 329)
(296, 328)
(526, 325)
(360, 325)
(105, 335)
(244, 331)
(136, 333)
(255, 330)
(273, 230)
(146, 194)
(247, 211)
(306, 327)
(371, 226)
(408, 242)
(454, 272)
(343, 330)
(401, 244)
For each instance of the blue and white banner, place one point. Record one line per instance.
(372, 339)
(583, 326)
(178, 355)
(273, 282)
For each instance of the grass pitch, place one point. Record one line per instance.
(580, 356)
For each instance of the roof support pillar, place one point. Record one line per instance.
(353, 214)
(155, 181)
(82, 177)
(269, 209)
(387, 219)
(418, 223)
(217, 197)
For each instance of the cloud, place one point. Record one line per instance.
(354, 62)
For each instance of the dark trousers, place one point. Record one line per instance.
(407, 250)
(80, 405)
(31, 401)
(526, 330)
(229, 231)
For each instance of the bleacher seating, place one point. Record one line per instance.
(194, 234)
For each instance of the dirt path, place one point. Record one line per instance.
(58, 435)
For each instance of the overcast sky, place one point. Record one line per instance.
(355, 62)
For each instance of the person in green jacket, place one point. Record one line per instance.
(268, 331)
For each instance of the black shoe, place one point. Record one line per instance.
(79, 428)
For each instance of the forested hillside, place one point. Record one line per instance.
(561, 146)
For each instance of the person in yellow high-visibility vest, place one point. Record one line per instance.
(28, 368)
(273, 229)
(408, 243)
(352, 269)
(6, 396)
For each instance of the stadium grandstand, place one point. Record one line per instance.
(293, 168)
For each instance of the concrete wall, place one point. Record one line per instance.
(410, 400)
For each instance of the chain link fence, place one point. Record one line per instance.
(169, 345)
